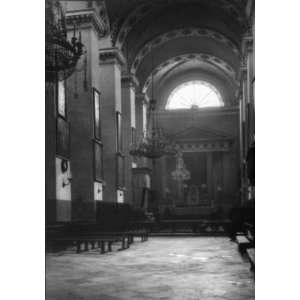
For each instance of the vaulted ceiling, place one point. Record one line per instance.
(168, 41)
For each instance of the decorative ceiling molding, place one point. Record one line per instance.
(217, 146)
(122, 29)
(179, 33)
(217, 62)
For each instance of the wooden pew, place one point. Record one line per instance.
(251, 256)
(94, 241)
(243, 243)
(78, 234)
(112, 225)
(246, 239)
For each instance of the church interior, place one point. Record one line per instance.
(149, 149)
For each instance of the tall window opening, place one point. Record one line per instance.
(195, 93)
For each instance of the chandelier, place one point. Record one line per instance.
(181, 173)
(61, 55)
(154, 144)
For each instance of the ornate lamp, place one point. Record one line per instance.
(154, 145)
(61, 55)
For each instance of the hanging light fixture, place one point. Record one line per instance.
(61, 55)
(154, 144)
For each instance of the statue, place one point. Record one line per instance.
(180, 174)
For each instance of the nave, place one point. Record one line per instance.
(150, 145)
(168, 268)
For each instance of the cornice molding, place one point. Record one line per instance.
(180, 33)
(111, 56)
(86, 17)
(142, 170)
(232, 110)
(205, 146)
(205, 57)
(247, 44)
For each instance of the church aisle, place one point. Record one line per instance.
(185, 268)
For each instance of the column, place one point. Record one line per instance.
(243, 127)
(141, 107)
(111, 60)
(129, 85)
(210, 183)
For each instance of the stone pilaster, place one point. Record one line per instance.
(129, 85)
(141, 108)
(110, 62)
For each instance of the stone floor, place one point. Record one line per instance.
(166, 268)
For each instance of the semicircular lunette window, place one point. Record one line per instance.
(195, 93)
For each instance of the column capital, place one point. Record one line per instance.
(142, 97)
(130, 80)
(247, 43)
(86, 17)
(111, 56)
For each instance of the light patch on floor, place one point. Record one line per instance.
(165, 268)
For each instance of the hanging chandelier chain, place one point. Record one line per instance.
(61, 55)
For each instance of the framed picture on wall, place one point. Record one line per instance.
(98, 161)
(62, 138)
(119, 131)
(97, 109)
(61, 99)
(120, 171)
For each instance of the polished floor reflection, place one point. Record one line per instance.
(169, 268)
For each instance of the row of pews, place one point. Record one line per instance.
(62, 236)
(112, 227)
(203, 227)
(246, 243)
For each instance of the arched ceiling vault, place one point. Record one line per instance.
(165, 66)
(160, 37)
(177, 70)
(180, 33)
(126, 15)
